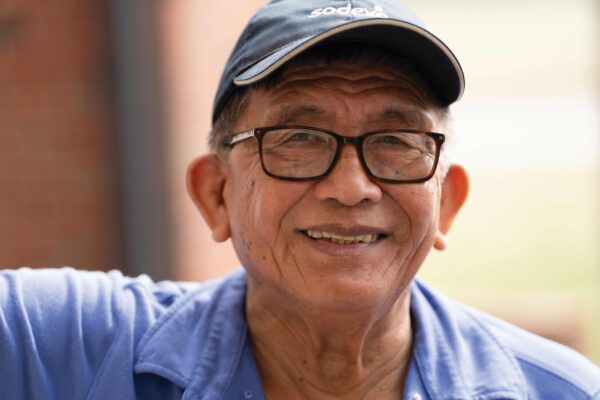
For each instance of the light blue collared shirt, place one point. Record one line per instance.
(66, 334)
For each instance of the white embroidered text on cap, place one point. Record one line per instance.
(348, 10)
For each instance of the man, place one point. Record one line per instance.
(327, 172)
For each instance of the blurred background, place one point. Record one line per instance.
(103, 105)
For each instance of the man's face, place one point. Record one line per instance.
(269, 219)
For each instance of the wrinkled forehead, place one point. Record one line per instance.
(360, 74)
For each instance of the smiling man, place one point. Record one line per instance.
(328, 173)
(330, 194)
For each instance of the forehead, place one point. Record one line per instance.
(360, 89)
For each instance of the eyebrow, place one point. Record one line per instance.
(413, 116)
(291, 113)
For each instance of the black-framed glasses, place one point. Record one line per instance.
(299, 153)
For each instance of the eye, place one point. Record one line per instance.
(390, 140)
(296, 139)
(302, 137)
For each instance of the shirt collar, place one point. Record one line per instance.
(198, 344)
(457, 357)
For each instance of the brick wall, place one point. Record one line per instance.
(58, 174)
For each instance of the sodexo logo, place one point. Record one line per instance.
(348, 10)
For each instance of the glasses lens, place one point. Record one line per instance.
(400, 155)
(297, 152)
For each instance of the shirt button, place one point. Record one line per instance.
(416, 396)
(248, 394)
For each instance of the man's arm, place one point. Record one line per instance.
(56, 329)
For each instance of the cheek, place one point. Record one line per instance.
(240, 197)
(420, 205)
(258, 226)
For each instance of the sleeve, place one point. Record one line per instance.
(56, 327)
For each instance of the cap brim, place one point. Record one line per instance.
(429, 54)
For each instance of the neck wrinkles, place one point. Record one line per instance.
(329, 354)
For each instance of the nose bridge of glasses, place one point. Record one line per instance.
(351, 154)
(349, 180)
(355, 141)
(351, 139)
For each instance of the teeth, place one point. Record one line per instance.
(370, 238)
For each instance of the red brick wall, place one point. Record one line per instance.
(58, 175)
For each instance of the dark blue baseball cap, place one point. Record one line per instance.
(282, 29)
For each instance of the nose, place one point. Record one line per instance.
(348, 182)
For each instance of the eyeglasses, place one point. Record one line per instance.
(299, 153)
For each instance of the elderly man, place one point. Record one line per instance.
(327, 172)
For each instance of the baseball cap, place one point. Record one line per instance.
(282, 29)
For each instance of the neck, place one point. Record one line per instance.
(329, 355)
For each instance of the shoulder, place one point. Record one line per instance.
(548, 366)
(59, 323)
(545, 368)
(66, 292)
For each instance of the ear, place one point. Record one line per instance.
(454, 193)
(206, 177)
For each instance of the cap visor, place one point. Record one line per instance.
(429, 54)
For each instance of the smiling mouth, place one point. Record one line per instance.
(339, 239)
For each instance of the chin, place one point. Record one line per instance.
(350, 296)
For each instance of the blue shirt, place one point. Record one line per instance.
(66, 334)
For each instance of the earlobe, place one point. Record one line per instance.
(440, 241)
(454, 193)
(206, 180)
